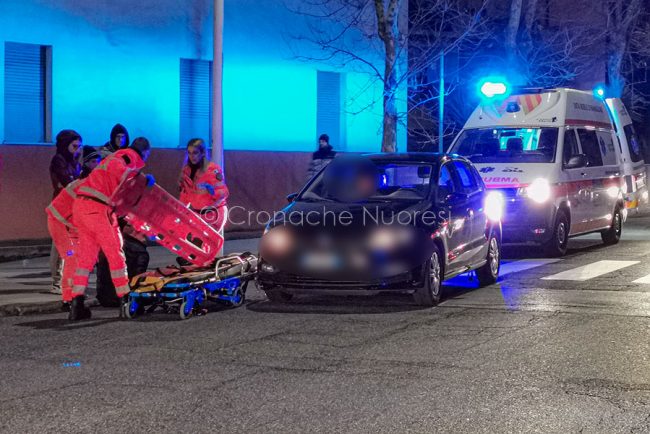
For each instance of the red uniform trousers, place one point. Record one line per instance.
(65, 240)
(98, 229)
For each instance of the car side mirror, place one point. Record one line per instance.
(291, 197)
(579, 160)
(456, 198)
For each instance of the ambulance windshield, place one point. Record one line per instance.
(507, 145)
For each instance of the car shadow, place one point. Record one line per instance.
(339, 304)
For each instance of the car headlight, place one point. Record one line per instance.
(388, 238)
(539, 190)
(613, 192)
(494, 206)
(277, 240)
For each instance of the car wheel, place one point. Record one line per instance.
(558, 243)
(489, 273)
(429, 293)
(613, 234)
(278, 296)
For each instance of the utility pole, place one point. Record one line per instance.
(441, 103)
(217, 95)
(217, 78)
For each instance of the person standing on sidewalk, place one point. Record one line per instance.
(64, 234)
(119, 139)
(95, 219)
(322, 157)
(64, 168)
(202, 186)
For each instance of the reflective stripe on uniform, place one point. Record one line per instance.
(58, 216)
(121, 290)
(118, 273)
(70, 188)
(77, 289)
(82, 272)
(94, 193)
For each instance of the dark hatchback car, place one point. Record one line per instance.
(383, 222)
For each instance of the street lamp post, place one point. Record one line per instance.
(217, 95)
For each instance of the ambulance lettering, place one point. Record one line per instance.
(501, 181)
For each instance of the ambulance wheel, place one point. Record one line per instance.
(278, 296)
(186, 310)
(238, 298)
(613, 234)
(558, 243)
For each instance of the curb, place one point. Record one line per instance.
(19, 309)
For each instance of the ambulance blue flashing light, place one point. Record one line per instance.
(599, 92)
(493, 87)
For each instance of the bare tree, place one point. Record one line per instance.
(622, 16)
(374, 35)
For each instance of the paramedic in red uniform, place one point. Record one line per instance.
(203, 187)
(95, 219)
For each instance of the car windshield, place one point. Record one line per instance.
(362, 179)
(507, 145)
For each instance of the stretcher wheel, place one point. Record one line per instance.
(238, 298)
(186, 310)
(129, 312)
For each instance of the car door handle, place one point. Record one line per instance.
(583, 174)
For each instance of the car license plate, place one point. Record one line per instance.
(320, 261)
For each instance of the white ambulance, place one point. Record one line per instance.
(635, 189)
(555, 157)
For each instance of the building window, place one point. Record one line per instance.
(196, 95)
(28, 93)
(330, 114)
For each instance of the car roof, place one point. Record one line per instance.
(415, 157)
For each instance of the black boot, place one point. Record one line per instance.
(77, 309)
(65, 306)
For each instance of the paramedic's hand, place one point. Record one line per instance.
(208, 187)
(150, 180)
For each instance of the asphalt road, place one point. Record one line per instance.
(538, 352)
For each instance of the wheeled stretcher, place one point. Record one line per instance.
(186, 289)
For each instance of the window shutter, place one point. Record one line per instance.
(196, 95)
(329, 108)
(25, 92)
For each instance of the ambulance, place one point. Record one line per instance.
(556, 159)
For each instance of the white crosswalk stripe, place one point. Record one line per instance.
(644, 279)
(524, 264)
(590, 271)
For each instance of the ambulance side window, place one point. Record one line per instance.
(607, 150)
(633, 143)
(589, 144)
(570, 146)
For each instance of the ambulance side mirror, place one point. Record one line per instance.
(576, 161)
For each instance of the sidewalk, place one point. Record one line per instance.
(24, 285)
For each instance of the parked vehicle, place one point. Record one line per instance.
(555, 157)
(384, 222)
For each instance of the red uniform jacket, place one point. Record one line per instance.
(198, 197)
(113, 171)
(61, 206)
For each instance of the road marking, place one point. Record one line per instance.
(524, 264)
(590, 271)
(644, 279)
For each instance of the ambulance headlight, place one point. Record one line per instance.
(539, 190)
(613, 192)
(494, 206)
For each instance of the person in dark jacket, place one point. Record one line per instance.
(119, 139)
(322, 157)
(64, 168)
(90, 159)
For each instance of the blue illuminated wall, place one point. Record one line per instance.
(118, 61)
